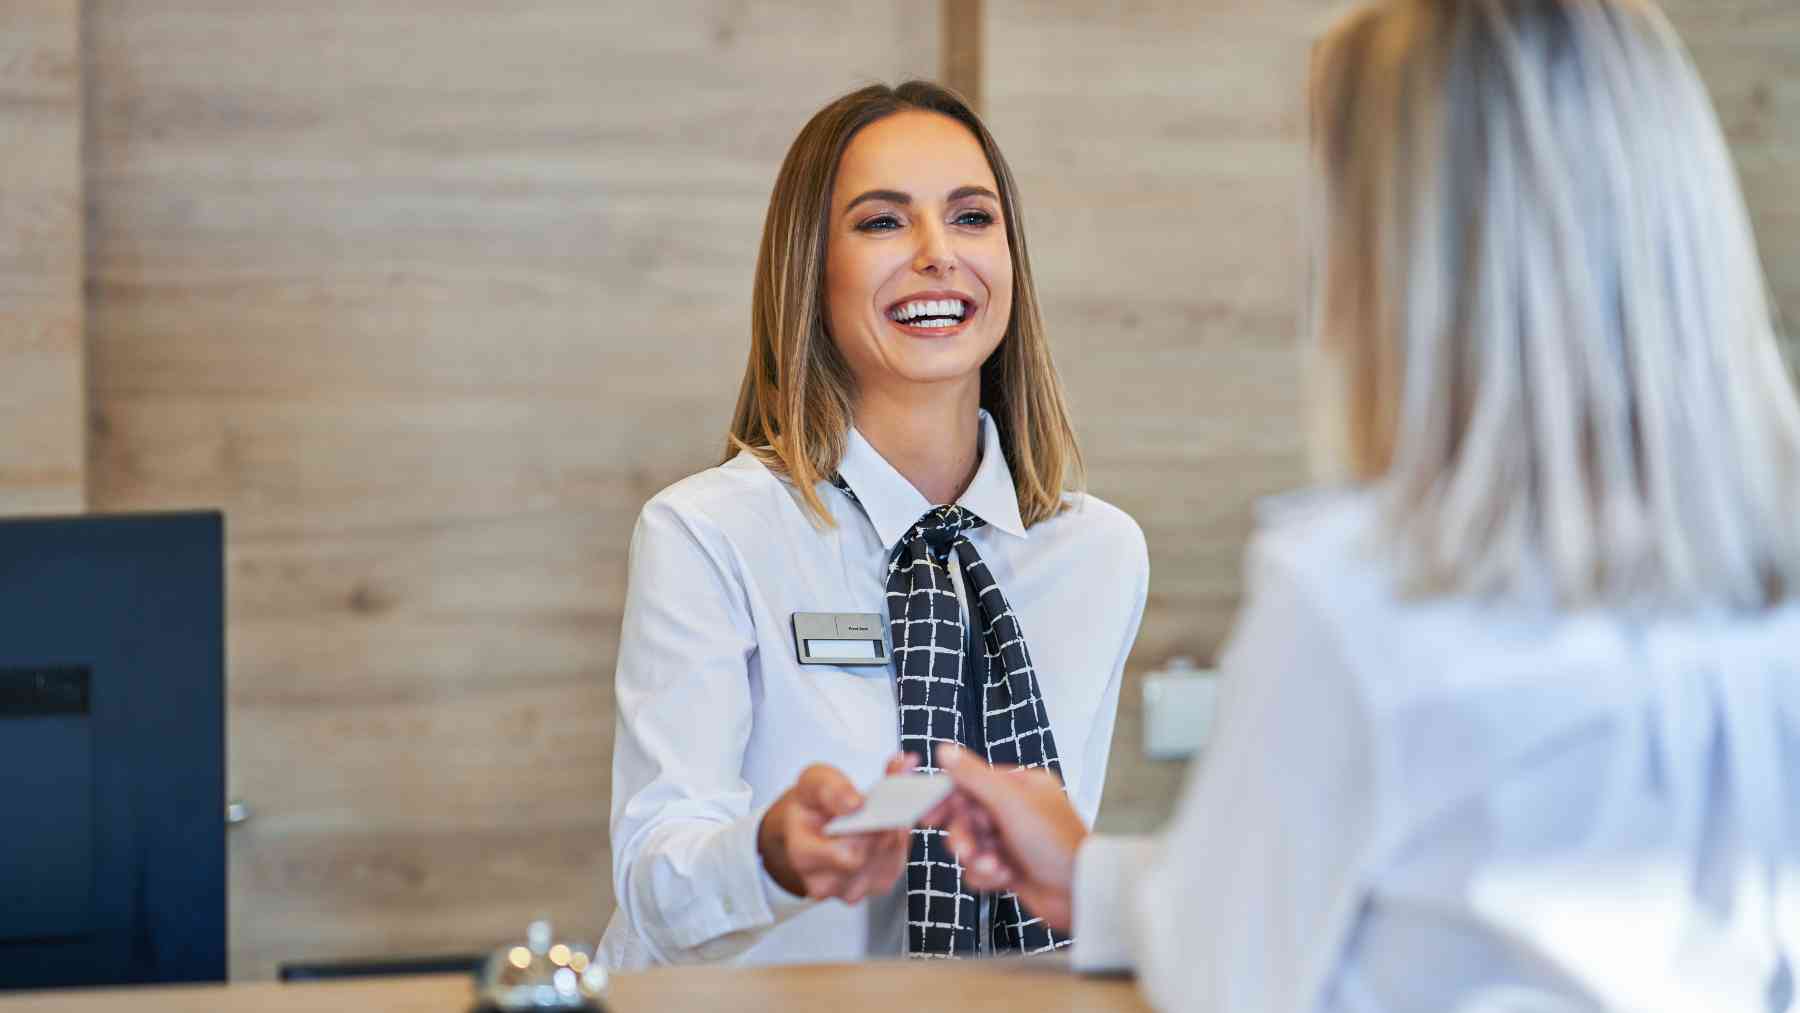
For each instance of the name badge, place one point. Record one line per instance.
(840, 638)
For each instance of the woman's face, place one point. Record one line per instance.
(918, 275)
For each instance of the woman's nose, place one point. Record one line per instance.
(934, 256)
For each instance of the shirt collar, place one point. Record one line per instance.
(894, 506)
(991, 495)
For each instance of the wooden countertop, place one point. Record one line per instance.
(898, 986)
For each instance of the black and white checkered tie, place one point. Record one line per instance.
(986, 701)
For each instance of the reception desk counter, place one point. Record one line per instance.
(1041, 986)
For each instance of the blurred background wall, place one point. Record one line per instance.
(429, 296)
(42, 451)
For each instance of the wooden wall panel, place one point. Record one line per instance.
(430, 297)
(964, 50)
(41, 397)
(1160, 150)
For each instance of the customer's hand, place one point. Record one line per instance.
(798, 855)
(1012, 829)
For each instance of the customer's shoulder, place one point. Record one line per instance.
(1315, 574)
(1325, 562)
(1314, 538)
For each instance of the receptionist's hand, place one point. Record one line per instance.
(805, 862)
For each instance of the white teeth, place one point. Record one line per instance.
(955, 308)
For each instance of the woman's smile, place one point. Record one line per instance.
(938, 313)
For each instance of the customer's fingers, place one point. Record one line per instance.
(942, 813)
(987, 872)
(970, 772)
(1027, 810)
(981, 822)
(968, 841)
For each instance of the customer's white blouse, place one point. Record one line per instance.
(1445, 805)
(717, 717)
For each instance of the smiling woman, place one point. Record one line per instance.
(897, 465)
(839, 214)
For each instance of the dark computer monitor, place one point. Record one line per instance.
(112, 750)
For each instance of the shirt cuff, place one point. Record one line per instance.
(781, 905)
(1106, 875)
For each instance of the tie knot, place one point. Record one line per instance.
(941, 525)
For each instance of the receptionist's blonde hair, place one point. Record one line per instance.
(1552, 334)
(795, 406)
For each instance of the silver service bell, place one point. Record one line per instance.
(540, 975)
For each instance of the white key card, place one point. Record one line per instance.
(893, 803)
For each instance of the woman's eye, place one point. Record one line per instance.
(975, 218)
(880, 223)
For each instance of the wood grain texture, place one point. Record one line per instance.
(41, 399)
(430, 298)
(1160, 149)
(963, 48)
(888, 986)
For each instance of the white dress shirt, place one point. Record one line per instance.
(1444, 805)
(717, 717)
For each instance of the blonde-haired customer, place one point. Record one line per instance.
(897, 464)
(1511, 718)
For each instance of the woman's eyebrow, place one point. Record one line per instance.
(972, 191)
(892, 196)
